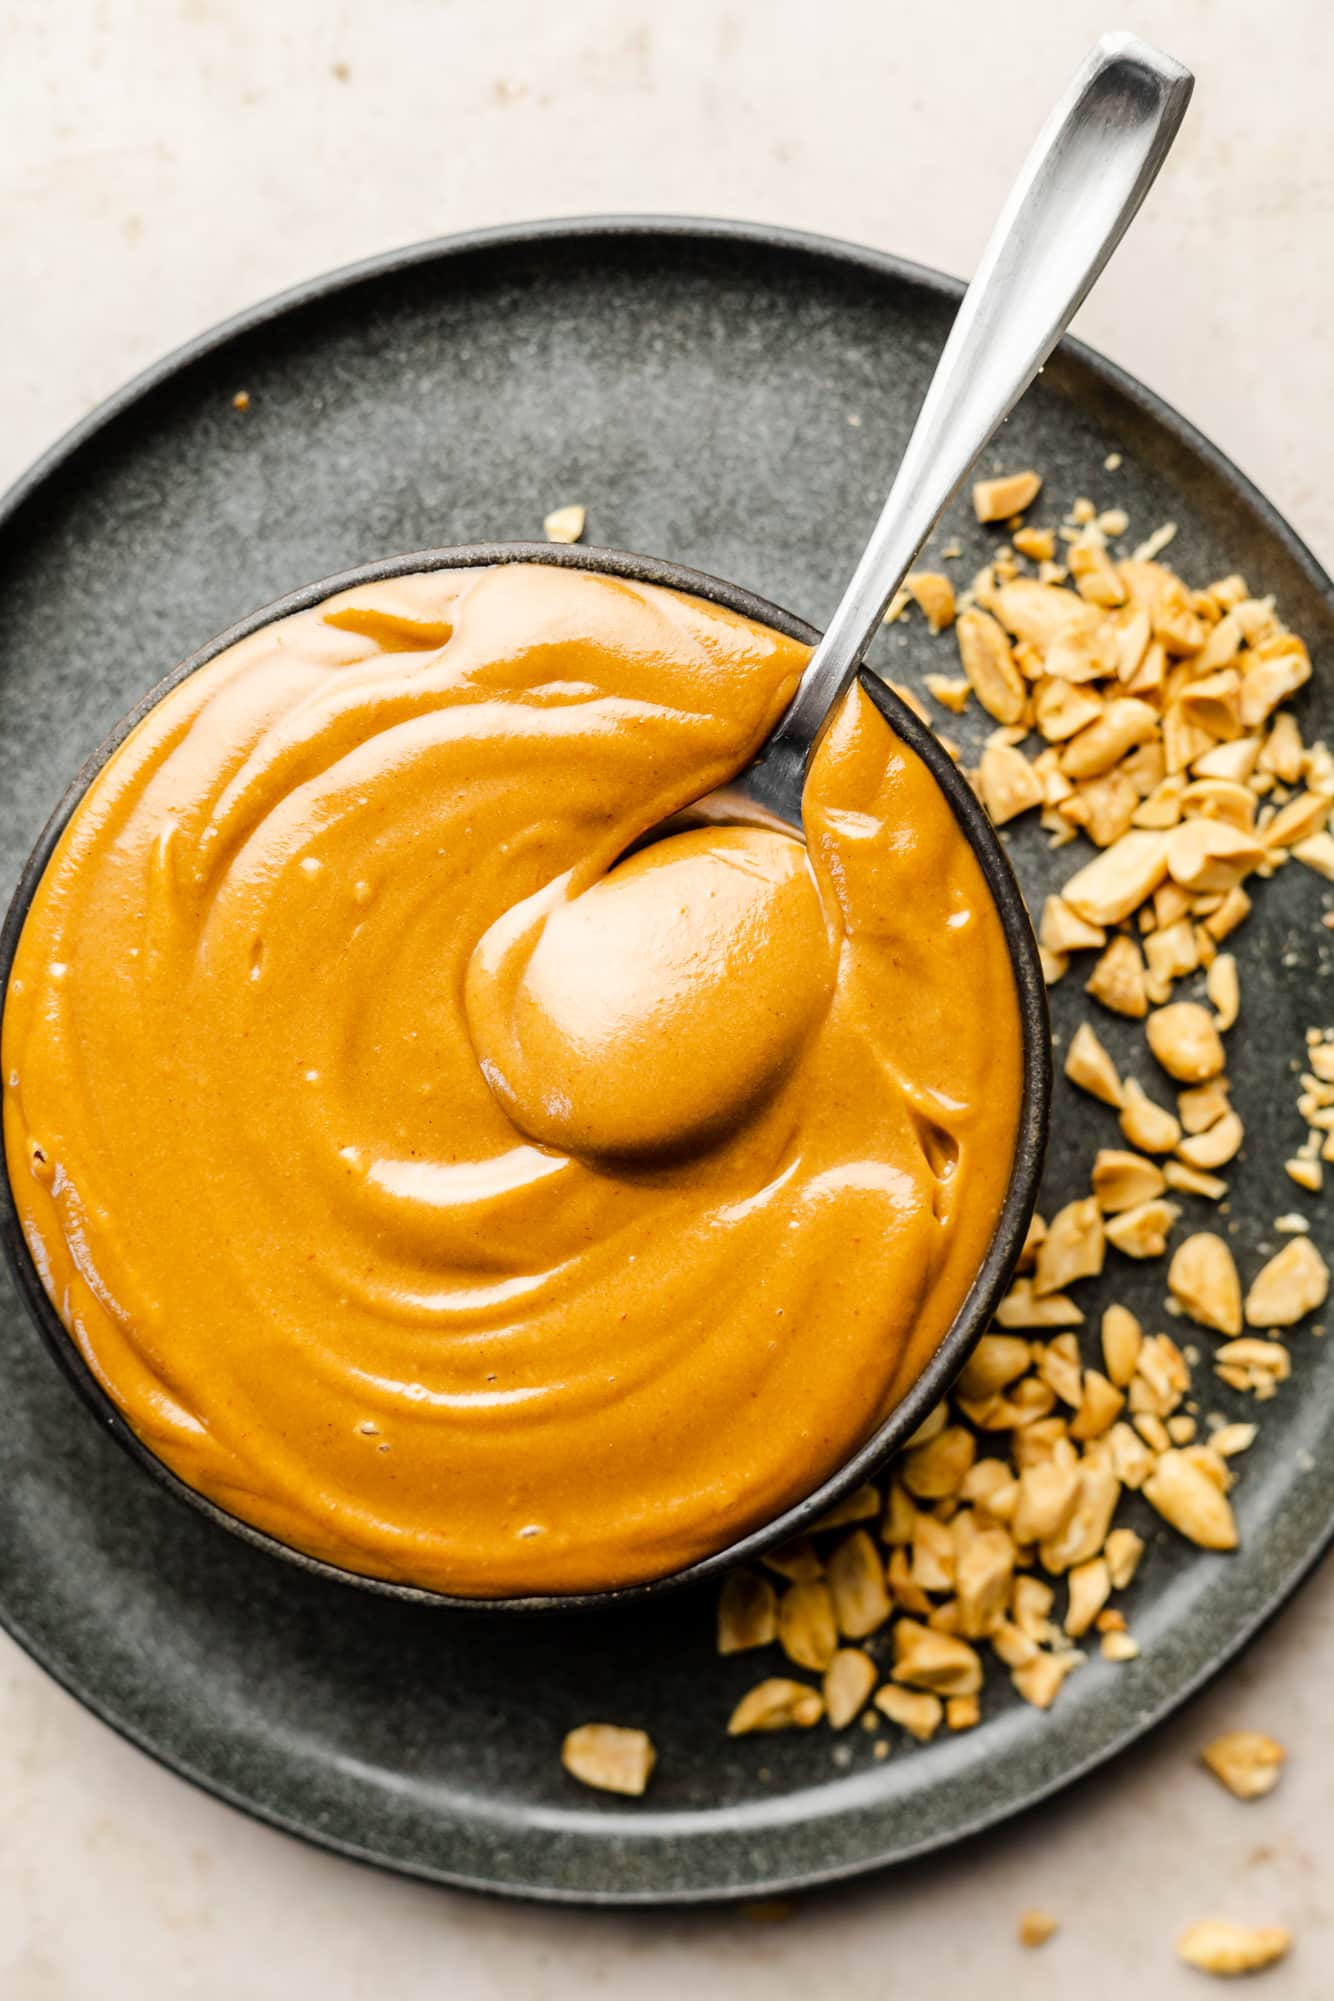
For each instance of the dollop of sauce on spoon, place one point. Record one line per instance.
(659, 1008)
(447, 1195)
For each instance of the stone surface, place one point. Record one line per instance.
(166, 167)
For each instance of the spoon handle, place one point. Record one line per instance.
(1090, 168)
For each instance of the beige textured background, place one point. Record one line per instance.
(163, 162)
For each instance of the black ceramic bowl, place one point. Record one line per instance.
(997, 1266)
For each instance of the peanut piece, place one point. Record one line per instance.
(1245, 1761)
(1186, 1498)
(1216, 1945)
(1293, 1283)
(747, 1613)
(1009, 493)
(610, 1758)
(989, 665)
(848, 1681)
(776, 1704)
(1202, 1279)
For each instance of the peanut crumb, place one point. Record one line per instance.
(565, 524)
(1036, 1927)
(934, 593)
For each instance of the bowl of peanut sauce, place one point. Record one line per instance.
(437, 1187)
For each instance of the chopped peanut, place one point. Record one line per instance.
(798, 1560)
(1047, 1497)
(861, 1505)
(935, 1661)
(1101, 1405)
(1061, 710)
(996, 1361)
(1007, 782)
(1246, 1761)
(564, 524)
(933, 1470)
(1072, 1247)
(1215, 1147)
(1090, 1588)
(1088, 1065)
(1203, 1105)
(1224, 990)
(1202, 1279)
(807, 1628)
(1185, 1040)
(1039, 1680)
(1122, 1338)
(1210, 854)
(1222, 922)
(1143, 1232)
(1190, 1181)
(919, 1712)
(1009, 493)
(747, 1613)
(1020, 1308)
(1216, 1945)
(610, 1758)
(1230, 1439)
(1118, 979)
(985, 654)
(935, 594)
(1095, 575)
(1252, 1364)
(1085, 1532)
(950, 691)
(776, 1704)
(1293, 1283)
(1113, 885)
(1124, 1180)
(857, 1588)
(1064, 930)
(1147, 1125)
(1123, 1551)
(983, 1574)
(1122, 726)
(848, 1681)
(1185, 1496)
(1318, 854)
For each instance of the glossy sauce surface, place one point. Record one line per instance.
(448, 1198)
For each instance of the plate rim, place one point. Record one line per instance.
(836, 250)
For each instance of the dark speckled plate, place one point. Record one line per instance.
(733, 399)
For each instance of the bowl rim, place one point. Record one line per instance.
(989, 1282)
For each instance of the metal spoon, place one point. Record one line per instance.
(1090, 168)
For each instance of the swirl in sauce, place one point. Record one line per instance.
(448, 1198)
